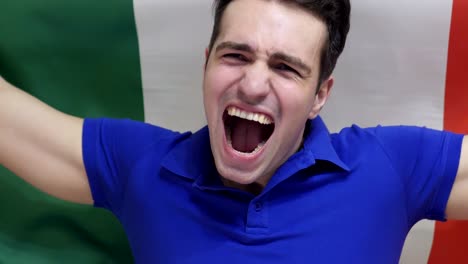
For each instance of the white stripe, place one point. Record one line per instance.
(392, 71)
(172, 38)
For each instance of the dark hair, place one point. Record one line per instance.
(335, 14)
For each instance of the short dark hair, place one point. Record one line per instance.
(335, 14)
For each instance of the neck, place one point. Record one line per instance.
(253, 188)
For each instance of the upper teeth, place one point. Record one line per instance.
(257, 117)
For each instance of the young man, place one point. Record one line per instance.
(265, 182)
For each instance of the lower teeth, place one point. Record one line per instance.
(229, 141)
(257, 149)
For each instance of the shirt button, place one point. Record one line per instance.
(258, 206)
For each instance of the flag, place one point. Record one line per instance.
(404, 64)
(82, 58)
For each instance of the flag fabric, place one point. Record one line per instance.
(404, 64)
(82, 58)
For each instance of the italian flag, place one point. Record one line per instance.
(405, 63)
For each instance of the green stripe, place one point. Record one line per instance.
(82, 58)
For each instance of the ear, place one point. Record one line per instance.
(321, 97)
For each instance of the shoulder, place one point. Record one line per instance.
(371, 140)
(382, 134)
(128, 137)
(397, 142)
(126, 128)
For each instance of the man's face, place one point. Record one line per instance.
(260, 87)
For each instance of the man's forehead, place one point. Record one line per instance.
(272, 26)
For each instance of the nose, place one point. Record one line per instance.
(255, 84)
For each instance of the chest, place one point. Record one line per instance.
(314, 217)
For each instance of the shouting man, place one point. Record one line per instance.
(264, 182)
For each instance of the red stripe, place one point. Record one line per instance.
(451, 239)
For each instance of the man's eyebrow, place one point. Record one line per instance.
(234, 46)
(292, 60)
(276, 56)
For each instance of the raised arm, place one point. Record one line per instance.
(42, 145)
(457, 207)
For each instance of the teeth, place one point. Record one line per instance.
(257, 149)
(237, 112)
(257, 117)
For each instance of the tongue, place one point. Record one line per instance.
(246, 135)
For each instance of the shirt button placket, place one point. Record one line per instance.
(257, 217)
(258, 206)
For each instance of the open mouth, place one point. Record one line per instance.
(247, 132)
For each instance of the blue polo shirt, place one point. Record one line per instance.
(349, 197)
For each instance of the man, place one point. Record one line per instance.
(266, 183)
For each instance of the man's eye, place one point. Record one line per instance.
(284, 67)
(235, 56)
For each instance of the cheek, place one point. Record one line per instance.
(296, 100)
(217, 83)
(221, 77)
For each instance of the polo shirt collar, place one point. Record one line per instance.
(317, 146)
(192, 157)
(318, 143)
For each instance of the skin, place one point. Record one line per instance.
(260, 63)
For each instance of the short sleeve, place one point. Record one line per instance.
(110, 149)
(427, 160)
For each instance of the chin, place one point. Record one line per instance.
(242, 175)
(243, 178)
